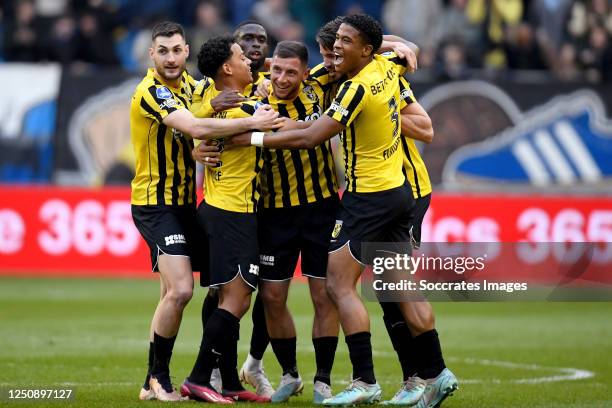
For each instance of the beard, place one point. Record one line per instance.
(170, 76)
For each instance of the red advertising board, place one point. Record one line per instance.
(89, 232)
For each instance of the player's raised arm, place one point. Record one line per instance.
(416, 123)
(207, 128)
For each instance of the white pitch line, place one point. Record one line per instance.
(564, 374)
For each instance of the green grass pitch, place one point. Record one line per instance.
(91, 335)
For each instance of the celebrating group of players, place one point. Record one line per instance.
(271, 197)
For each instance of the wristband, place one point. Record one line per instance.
(257, 139)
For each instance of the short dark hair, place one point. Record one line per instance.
(292, 49)
(247, 22)
(326, 36)
(214, 53)
(167, 29)
(369, 28)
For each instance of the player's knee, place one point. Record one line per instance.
(334, 291)
(273, 298)
(180, 296)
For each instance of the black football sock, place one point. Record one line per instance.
(325, 351)
(284, 349)
(430, 362)
(149, 366)
(162, 351)
(259, 336)
(400, 336)
(211, 301)
(360, 352)
(228, 362)
(211, 347)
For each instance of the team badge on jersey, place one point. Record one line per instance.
(163, 93)
(337, 228)
(310, 93)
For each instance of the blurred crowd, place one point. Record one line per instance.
(567, 39)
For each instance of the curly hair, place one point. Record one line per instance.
(214, 53)
(370, 29)
(326, 36)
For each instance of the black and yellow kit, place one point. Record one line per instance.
(249, 90)
(377, 202)
(227, 214)
(299, 196)
(163, 189)
(415, 171)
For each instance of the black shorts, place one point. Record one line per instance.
(285, 233)
(232, 245)
(418, 214)
(170, 230)
(381, 217)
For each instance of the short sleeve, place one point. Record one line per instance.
(348, 103)
(406, 94)
(400, 63)
(200, 104)
(157, 102)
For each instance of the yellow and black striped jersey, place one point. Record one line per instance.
(249, 90)
(204, 92)
(165, 170)
(414, 167)
(368, 106)
(320, 75)
(298, 177)
(234, 186)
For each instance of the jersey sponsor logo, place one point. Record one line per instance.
(175, 239)
(168, 103)
(163, 93)
(337, 229)
(562, 143)
(254, 269)
(406, 94)
(336, 107)
(258, 104)
(387, 54)
(267, 260)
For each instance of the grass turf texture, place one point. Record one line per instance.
(91, 335)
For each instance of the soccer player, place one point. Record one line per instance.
(295, 217)
(227, 215)
(253, 40)
(416, 344)
(163, 188)
(377, 202)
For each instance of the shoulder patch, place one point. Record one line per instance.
(163, 93)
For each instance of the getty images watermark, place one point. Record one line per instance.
(488, 272)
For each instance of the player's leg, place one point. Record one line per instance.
(252, 371)
(232, 239)
(282, 335)
(145, 392)
(325, 330)
(210, 304)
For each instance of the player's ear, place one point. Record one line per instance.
(306, 73)
(187, 51)
(151, 53)
(367, 50)
(227, 70)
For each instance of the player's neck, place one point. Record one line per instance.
(228, 84)
(362, 65)
(173, 83)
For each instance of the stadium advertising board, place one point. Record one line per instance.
(89, 232)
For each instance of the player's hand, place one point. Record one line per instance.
(263, 89)
(265, 118)
(227, 100)
(208, 152)
(405, 52)
(288, 124)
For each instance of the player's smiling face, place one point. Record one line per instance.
(254, 41)
(286, 75)
(239, 66)
(169, 55)
(350, 51)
